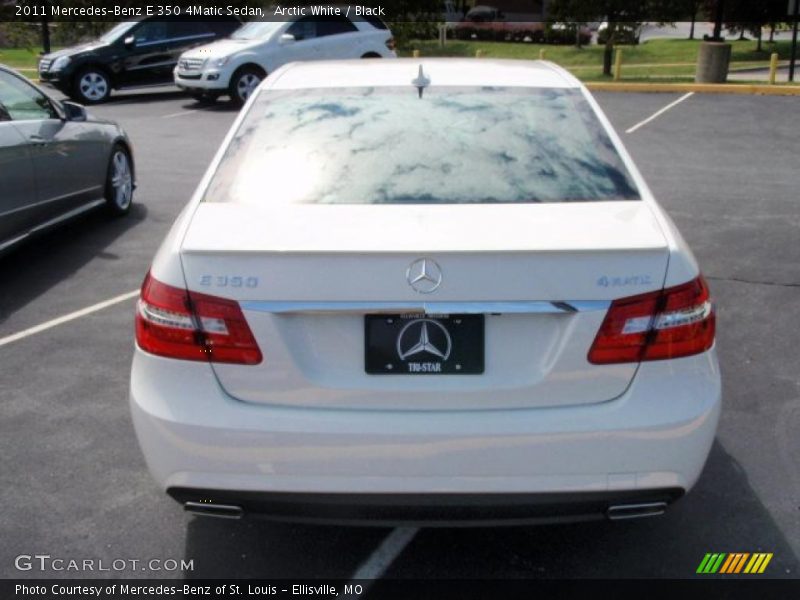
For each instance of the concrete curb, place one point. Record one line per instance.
(701, 88)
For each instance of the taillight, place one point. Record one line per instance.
(390, 43)
(177, 323)
(674, 322)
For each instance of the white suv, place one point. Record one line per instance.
(237, 65)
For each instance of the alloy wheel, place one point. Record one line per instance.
(93, 86)
(121, 180)
(246, 85)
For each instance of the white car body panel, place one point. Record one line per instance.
(656, 435)
(595, 226)
(540, 419)
(487, 253)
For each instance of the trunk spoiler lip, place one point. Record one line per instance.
(426, 308)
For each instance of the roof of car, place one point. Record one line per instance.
(440, 72)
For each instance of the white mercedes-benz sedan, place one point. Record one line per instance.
(430, 291)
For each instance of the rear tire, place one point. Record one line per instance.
(244, 82)
(371, 55)
(119, 182)
(91, 85)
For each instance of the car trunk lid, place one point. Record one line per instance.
(543, 274)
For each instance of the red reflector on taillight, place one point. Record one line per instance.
(671, 323)
(180, 324)
(390, 43)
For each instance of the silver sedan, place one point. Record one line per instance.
(56, 161)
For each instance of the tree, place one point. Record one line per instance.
(691, 8)
(716, 8)
(45, 34)
(615, 12)
(742, 17)
(775, 11)
(745, 16)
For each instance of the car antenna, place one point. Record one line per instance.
(421, 82)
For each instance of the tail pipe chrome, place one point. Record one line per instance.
(619, 512)
(209, 509)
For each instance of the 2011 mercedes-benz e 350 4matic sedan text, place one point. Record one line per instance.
(426, 290)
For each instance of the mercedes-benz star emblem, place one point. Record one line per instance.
(424, 335)
(424, 275)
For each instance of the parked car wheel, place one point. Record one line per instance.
(92, 85)
(244, 82)
(371, 55)
(119, 182)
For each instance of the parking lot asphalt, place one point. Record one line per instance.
(74, 484)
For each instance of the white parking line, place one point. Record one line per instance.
(67, 318)
(383, 556)
(658, 113)
(178, 114)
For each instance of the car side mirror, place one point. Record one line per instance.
(287, 38)
(73, 111)
(130, 41)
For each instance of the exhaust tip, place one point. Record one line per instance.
(209, 509)
(619, 512)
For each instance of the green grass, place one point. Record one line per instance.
(661, 60)
(19, 58)
(653, 51)
(657, 59)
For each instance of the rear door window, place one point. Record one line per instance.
(303, 29)
(376, 22)
(184, 29)
(334, 26)
(151, 32)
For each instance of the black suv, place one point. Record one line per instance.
(131, 54)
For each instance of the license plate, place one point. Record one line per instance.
(424, 344)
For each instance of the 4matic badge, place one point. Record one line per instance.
(606, 281)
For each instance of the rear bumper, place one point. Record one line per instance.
(427, 509)
(654, 437)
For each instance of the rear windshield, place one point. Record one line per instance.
(450, 146)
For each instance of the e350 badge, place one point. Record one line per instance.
(234, 281)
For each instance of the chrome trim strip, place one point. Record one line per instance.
(73, 213)
(55, 199)
(222, 511)
(462, 308)
(200, 36)
(11, 241)
(620, 512)
(151, 65)
(68, 215)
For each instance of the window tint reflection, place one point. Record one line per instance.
(453, 145)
